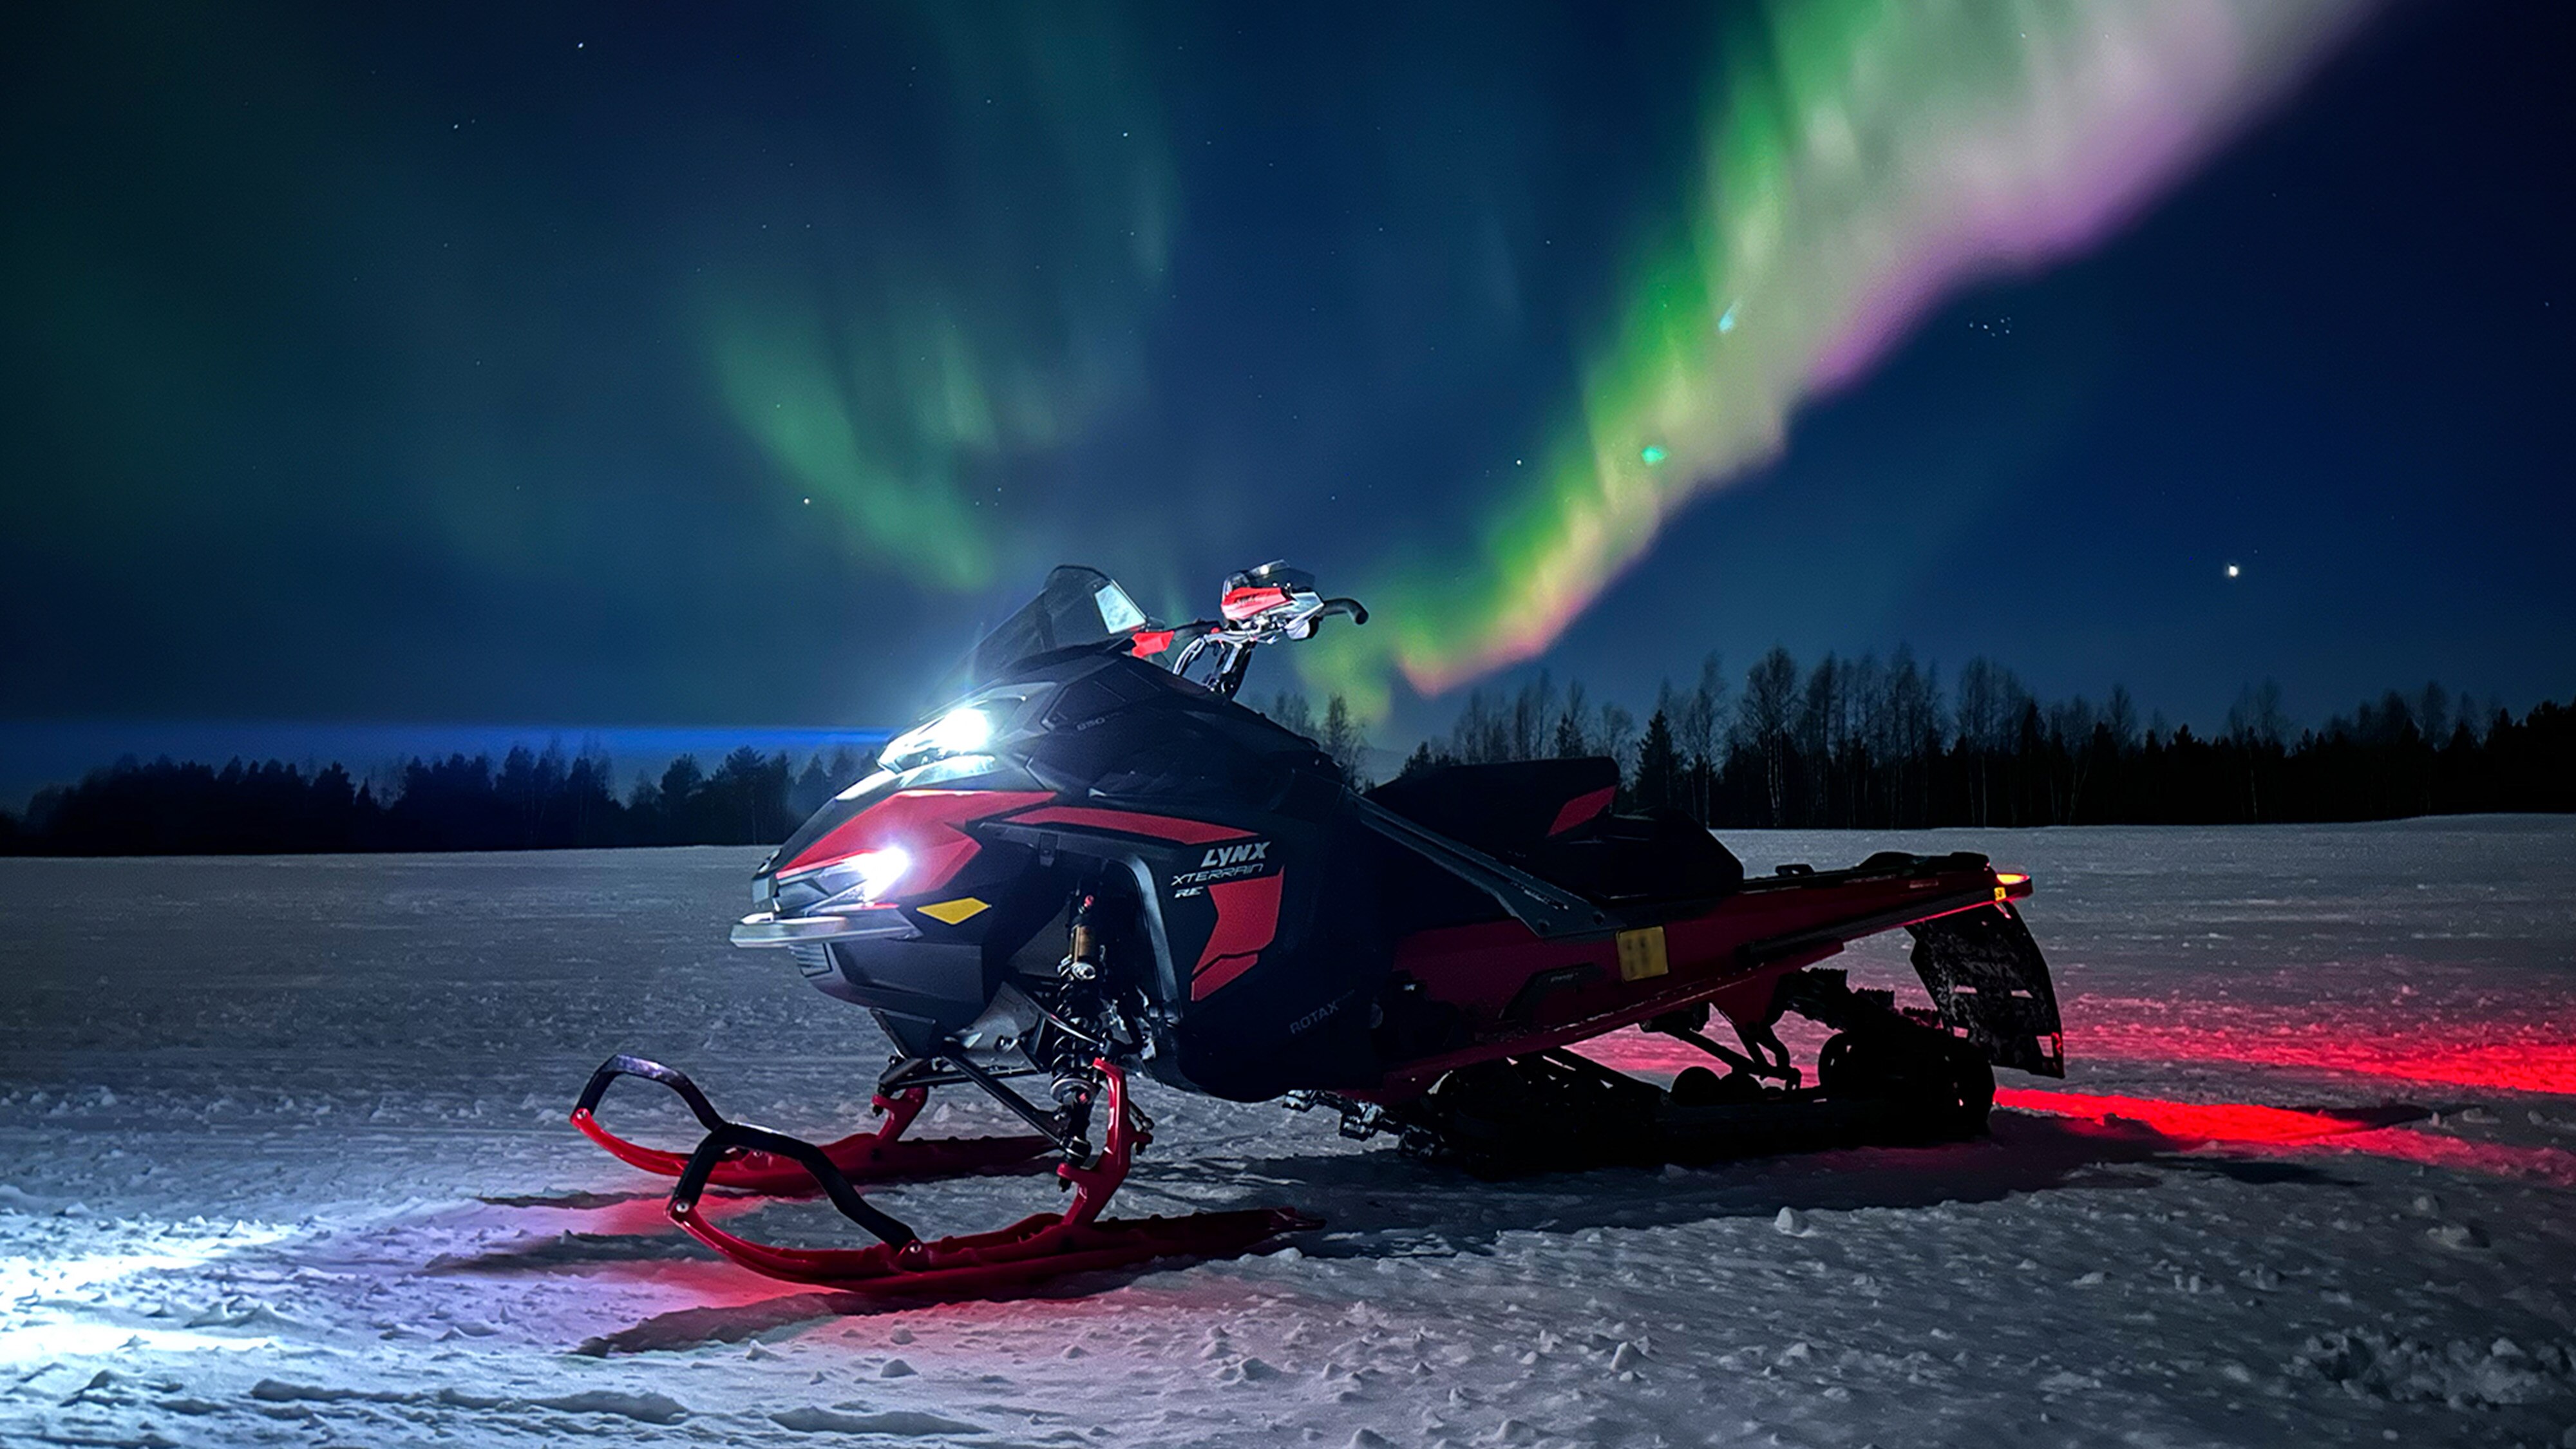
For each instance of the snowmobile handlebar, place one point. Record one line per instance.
(1293, 615)
(1282, 623)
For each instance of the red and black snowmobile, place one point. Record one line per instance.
(1093, 861)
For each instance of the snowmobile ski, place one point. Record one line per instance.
(884, 1155)
(1033, 1250)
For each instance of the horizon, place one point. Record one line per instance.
(36, 755)
(371, 751)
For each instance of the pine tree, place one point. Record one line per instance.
(1658, 764)
(1344, 742)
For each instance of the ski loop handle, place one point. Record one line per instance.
(726, 1139)
(623, 1065)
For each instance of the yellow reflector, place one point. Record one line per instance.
(1641, 954)
(952, 912)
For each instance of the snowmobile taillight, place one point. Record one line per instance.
(2011, 878)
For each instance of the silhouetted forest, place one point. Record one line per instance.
(1871, 744)
(530, 801)
(1863, 744)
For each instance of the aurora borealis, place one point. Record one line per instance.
(884, 367)
(1862, 159)
(658, 366)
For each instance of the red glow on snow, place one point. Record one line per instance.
(2197, 1121)
(2420, 1054)
(2243, 1124)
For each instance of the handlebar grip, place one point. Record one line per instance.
(1357, 611)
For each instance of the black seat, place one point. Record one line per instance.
(1505, 809)
(1552, 819)
(1659, 855)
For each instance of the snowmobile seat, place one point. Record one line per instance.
(1505, 809)
(1552, 818)
(1659, 855)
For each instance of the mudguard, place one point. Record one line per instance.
(1991, 986)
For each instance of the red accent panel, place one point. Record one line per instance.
(923, 822)
(1161, 827)
(1580, 809)
(1149, 642)
(1242, 604)
(1247, 919)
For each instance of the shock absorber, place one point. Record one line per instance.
(1078, 977)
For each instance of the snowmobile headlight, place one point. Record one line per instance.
(961, 730)
(965, 729)
(879, 870)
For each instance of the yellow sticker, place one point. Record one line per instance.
(1641, 954)
(953, 912)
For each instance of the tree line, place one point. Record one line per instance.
(1844, 744)
(531, 800)
(1882, 744)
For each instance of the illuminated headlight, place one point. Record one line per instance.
(961, 730)
(879, 870)
(863, 880)
(967, 729)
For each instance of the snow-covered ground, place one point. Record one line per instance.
(283, 1160)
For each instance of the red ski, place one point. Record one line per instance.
(1029, 1251)
(884, 1155)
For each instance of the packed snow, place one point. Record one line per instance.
(283, 1161)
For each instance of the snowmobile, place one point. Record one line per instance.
(1093, 861)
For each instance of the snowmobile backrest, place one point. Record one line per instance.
(1658, 855)
(1505, 809)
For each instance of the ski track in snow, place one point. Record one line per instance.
(283, 1161)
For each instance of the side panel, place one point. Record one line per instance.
(1278, 939)
(1247, 921)
(1519, 993)
(1268, 959)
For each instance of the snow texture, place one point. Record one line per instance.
(283, 1161)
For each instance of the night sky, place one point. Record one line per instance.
(726, 366)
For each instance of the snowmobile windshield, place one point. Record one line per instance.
(1078, 606)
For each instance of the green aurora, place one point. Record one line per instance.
(890, 366)
(1861, 158)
